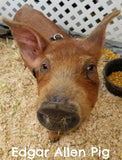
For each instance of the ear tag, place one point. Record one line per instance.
(40, 69)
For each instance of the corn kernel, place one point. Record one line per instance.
(109, 55)
(119, 154)
(116, 78)
(58, 133)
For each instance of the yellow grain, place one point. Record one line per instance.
(109, 55)
(116, 78)
(59, 133)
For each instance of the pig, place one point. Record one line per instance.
(65, 69)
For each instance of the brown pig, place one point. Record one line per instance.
(66, 70)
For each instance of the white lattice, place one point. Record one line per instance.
(80, 16)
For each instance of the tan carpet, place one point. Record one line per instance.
(20, 128)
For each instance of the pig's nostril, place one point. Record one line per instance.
(42, 118)
(71, 121)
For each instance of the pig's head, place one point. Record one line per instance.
(66, 73)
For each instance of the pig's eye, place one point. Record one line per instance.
(44, 67)
(91, 72)
(91, 67)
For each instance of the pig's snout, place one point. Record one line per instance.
(58, 116)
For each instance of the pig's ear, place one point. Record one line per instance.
(30, 43)
(95, 41)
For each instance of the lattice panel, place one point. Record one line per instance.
(80, 16)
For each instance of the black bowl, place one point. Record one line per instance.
(113, 66)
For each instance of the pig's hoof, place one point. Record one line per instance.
(53, 136)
